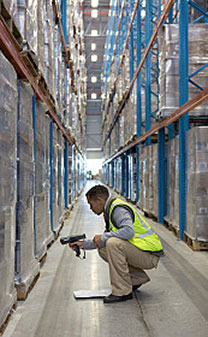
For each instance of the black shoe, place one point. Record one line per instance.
(113, 299)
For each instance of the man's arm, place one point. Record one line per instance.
(122, 219)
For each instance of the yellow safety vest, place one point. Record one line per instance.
(144, 238)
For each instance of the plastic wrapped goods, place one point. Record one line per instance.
(8, 113)
(60, 154)
(197, 184)
(49, 47)
(40, 34)
(42, 223)
(58, 198)
(155, 178)
(148, 179)
(169, 66)
(58, 68)
(173, 183)
(25, 17)
(26, 266)
(141, 177)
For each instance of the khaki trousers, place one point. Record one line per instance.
(126, 264)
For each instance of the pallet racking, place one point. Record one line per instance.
(134, 30)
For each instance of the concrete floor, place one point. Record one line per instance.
(174, 304)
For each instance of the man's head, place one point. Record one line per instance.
(97, 197)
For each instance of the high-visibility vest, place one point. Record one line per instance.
(144, 238)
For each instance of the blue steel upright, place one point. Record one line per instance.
(64, 18)
(34, 170)
(184, 120)
(138, 93)
(66, 192)
(148, 33)
(161, 175)
(161, 157)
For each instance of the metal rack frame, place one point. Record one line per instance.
(168, 15)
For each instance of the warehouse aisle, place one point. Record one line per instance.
(174, 304)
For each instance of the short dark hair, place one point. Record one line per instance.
(98, 191)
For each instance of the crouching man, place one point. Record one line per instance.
(128, 244)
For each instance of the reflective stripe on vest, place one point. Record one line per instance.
(149, 230)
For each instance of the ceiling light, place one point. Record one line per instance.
(94, 3)
(93, 79)
(94, 96)
(93, 46)
(94, 58)
(94, 13)
(94, 32)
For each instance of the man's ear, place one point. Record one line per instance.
(101, 200)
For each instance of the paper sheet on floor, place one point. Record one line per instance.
(82, 294)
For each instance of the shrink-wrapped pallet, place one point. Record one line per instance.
(148, 179)
(155, 179)
(41, 35)
(197, 184)
(172, 216)
(60, 186)
(55, 196)
(141, 177)
(42, 215)
(169, 66)
(8, 184)
(26, 267)
(25, 15)
(49, 47)
(58, 69)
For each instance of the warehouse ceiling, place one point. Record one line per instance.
(95, 16)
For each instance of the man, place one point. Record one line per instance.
(128, 244)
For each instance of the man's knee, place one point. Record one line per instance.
(113, 242)
(103, 254)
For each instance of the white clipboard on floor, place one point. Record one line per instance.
(87, 294)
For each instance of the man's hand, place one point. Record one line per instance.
(78, 243)
(97, 240)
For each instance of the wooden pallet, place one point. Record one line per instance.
(150, 215)
(175, 230)
(10, 25)
(194, 244)
(23, 290)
